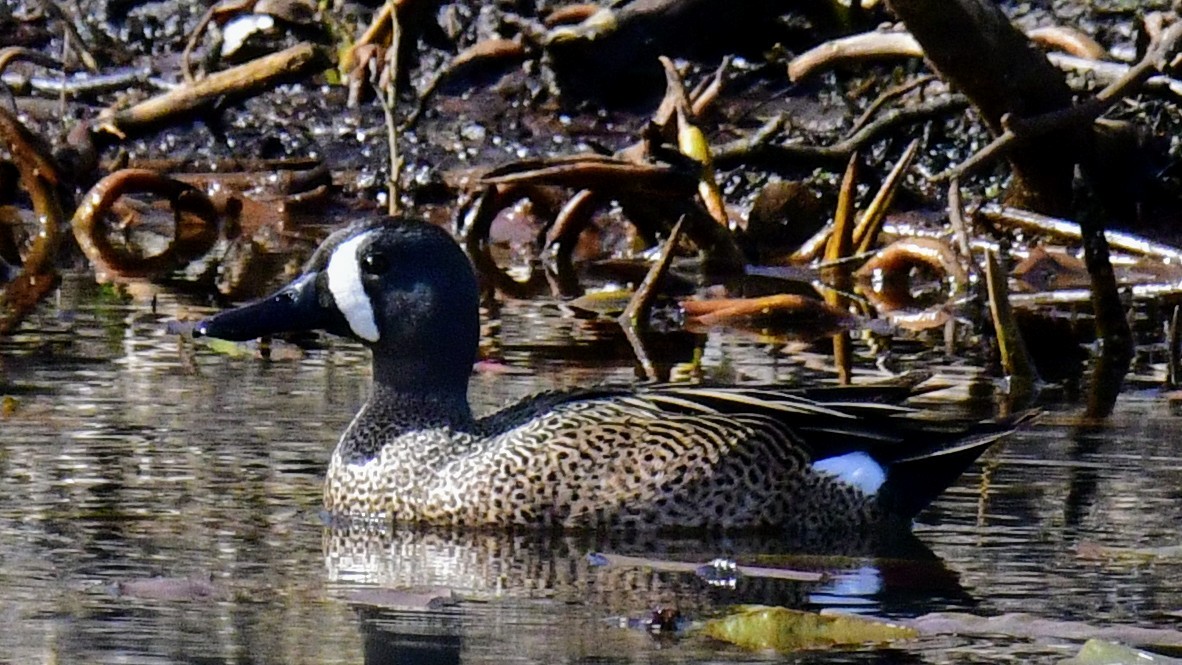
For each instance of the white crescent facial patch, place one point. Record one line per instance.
(344, 282)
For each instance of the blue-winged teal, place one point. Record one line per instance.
(677, 457)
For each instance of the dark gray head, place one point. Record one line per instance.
(403, 287)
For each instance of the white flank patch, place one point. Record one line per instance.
(857, 469)
(344, 281)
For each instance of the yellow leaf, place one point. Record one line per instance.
(760, 627)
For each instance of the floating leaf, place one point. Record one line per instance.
(1091, 550)
(1020, 625)
(603, 303)
(1100, 652)
(225, 348)
(783, 313)
(170, 588)
(1044, 270)
(779, 628)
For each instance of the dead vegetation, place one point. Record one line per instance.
(535, 135)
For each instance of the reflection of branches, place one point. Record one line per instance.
(759, 148)
(661, 565)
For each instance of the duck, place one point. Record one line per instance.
(825, 460)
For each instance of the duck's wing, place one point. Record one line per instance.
(825, 421)
(631, 447)
(918, 452)
(836, 420)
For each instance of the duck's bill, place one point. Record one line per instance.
(294, 308)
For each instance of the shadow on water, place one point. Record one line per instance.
(1081, 495)
(385, 646)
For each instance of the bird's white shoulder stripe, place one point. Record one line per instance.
(344, 281)
(856, 468)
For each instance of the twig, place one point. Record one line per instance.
(748, 150)
(635, 316)
(840, 246)
(71, 34)
(1015, 360)
(960, 228)
(86, 84)
(1067, 39)
(903, 45)
(1173, 352)
(10, 54)
(691, 141)
(960, 231)
(623, 561)
(859, 47)
(389, 99)
(1105, 71)
(40, 179)
(866, 233)
(706, 92)
(888, 95)
(1062, 229)
(956, 218)
(374, 34)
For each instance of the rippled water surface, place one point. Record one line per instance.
(129, 455)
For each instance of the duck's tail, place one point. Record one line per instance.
(914, 482)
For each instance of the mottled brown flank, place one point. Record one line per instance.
(592, 463)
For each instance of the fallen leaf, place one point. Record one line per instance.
(783, 313)
(1027, 626)
(170, 588)
(781, 629)
(1100, 652)
(1091, 550)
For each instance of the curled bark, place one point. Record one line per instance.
(39, 177)
(195, 232)
(891, 269)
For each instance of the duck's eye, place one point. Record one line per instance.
(374, 263)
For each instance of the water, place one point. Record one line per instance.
(129, 455)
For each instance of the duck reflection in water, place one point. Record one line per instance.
(423, 595)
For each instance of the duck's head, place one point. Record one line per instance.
(402, 287)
